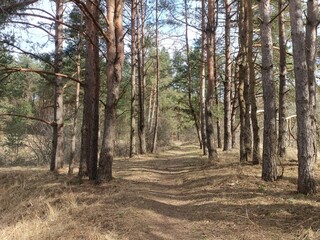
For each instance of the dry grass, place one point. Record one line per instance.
(173, 195)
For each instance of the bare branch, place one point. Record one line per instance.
(27, 117)
(41, 72)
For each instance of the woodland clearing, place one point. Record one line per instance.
(176, 194)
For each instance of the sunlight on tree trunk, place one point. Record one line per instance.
(269, 167)
(282, 133)
(115, 55)
(203, 79)
(58, 126)
(90, 121)
(133, 151)
(304, 70)
(212, 152)
(157, 110)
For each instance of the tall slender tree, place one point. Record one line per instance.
(189, 74)
(227, 142)
(212, 152)
(157, 110)
(58, 126)
(141, 76)
(203, 79)
(77, 104)
(282, 133)
(133, 151)
(90, 121)
(304, 95)
(256, 154)
(269, 168)
(115, 58)
(243, 91)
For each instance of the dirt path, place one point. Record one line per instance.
(179, 195)
(170, 196)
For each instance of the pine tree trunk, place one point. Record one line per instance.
(311, 55)
(282, 138)
(150, 108)
(141, 80)
(216, 92)
(235, 103)
(203, 80)
(58, 127)
(115, 55)
(256, 154)
(227, 140)
(269, 167)
(216, 79)
(304, 95)
(133, 80)
(156, 122)
(189, 76)
(243, 93)
(248, 132)
(76, 110)
(90, 121)
(212, 152)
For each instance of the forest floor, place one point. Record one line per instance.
(176, 194)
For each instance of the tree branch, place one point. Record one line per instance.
(40, 72)
(27, 117)
(14, 6)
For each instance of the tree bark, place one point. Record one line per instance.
(212, 152)
(141, 80)
(115, 58)
(58, 126)
(227, 140)
(156, 121)
(256, 154)
(203, 80)
(269, 167)
(189, 76)
(304, 97)
(76, 110)
(235, 102)
(282, 138)
(133, 151)
(90, 121)
(216, 90)
(243, 91)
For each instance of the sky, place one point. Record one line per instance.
(38, 41)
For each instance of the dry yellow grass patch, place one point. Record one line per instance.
(174, 195)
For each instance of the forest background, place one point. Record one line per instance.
(159, 119)
(126, 78)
